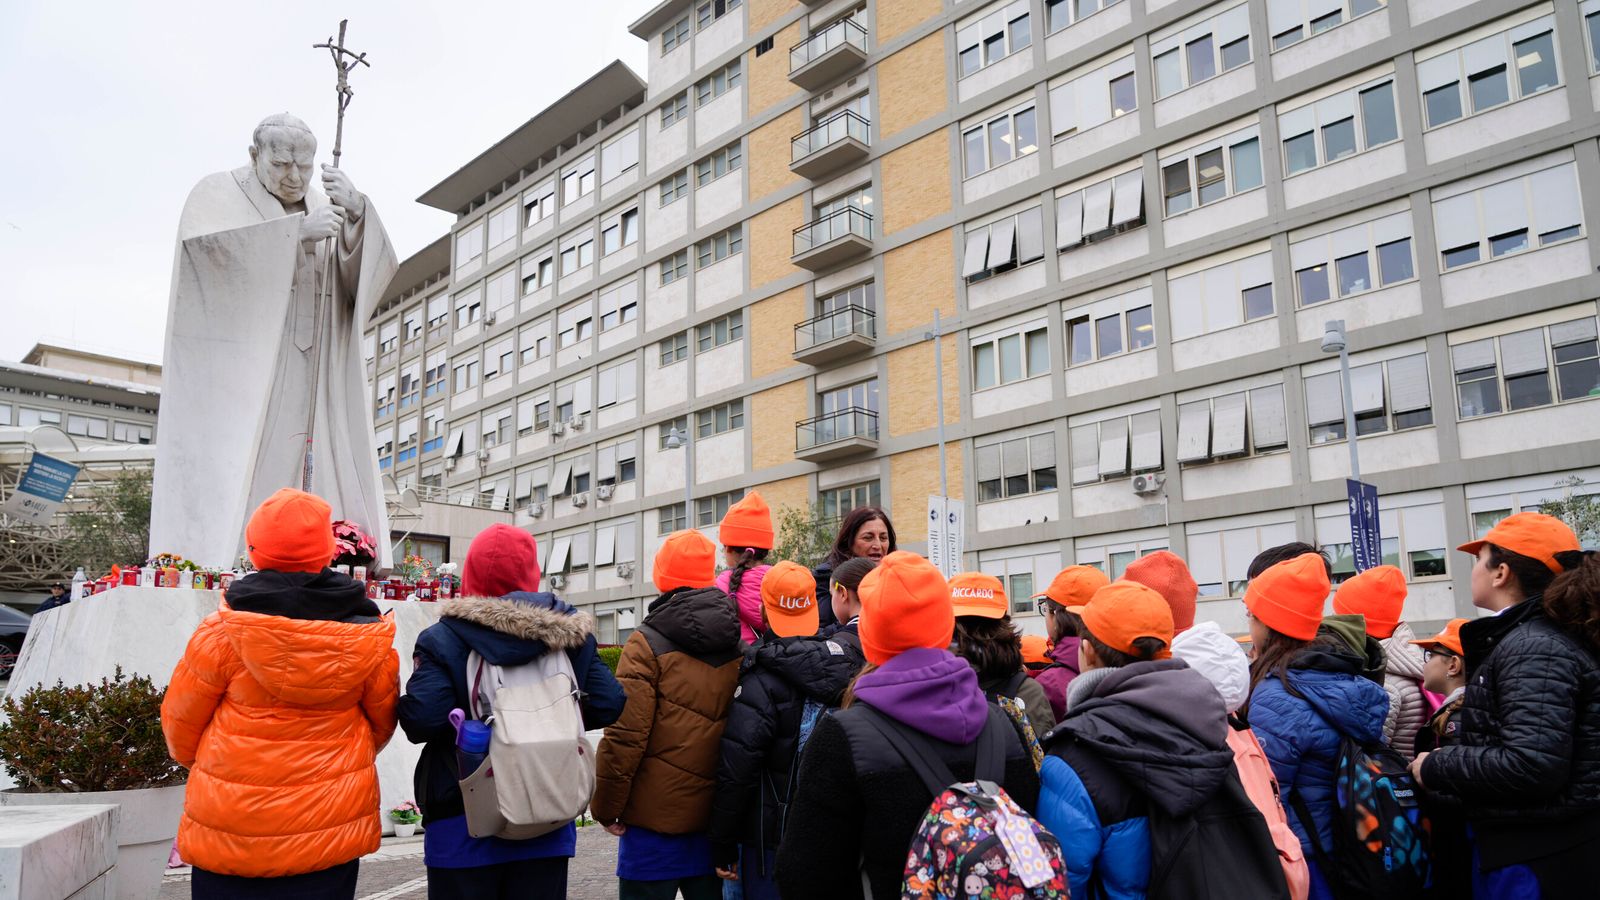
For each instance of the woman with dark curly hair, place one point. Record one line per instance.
(864, 531)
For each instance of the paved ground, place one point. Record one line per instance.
(396, 872)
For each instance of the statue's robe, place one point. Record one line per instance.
(242, 345)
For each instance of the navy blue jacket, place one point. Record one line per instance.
(509, 631)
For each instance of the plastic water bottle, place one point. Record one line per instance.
(78, 582)
(472, 743)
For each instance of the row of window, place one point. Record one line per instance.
(93, 427)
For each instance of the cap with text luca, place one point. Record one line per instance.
(789, 597)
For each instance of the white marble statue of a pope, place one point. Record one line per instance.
(244, 349)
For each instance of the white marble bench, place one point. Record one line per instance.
(55, 852)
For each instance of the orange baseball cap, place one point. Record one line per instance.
(1124, 611)
(1449, 638)
(686, 559)
(1074, 585)
(977, 594)
(748, 523)
(1534, 535)
(789, 596)
(1036, 650)
(905, 604)
(1379, 594)
(1288, 597)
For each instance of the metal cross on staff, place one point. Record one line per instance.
(343, 61)
(338, 52)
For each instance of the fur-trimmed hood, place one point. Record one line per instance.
(516, 628)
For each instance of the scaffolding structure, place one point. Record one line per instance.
(33, 555)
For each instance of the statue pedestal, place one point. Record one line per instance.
(145, 630)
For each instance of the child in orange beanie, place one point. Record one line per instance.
(1379, 594)
(657, 764)
(747, 536)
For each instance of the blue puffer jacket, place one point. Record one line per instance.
(1338, 697)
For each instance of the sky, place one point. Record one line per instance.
(115, 110)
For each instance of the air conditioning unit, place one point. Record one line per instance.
(625, 570)
(557, 582)
(1148, 483)
(580, 500)
(536, 509)
(450, 463)
(604, 492)
(488, 317)
(558, 428)
(577, 424)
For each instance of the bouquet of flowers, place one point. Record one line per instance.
(352, 546)
(406, 813)
(414, 568)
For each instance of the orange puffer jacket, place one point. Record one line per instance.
(279, 717)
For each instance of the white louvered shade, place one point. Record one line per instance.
(1505, 207)
(1476, 355)
(1127, 197)
(1114, 447)
(1063, 108)
(1085, 454)
(1456, 221)
(1408, 384)
(1522, 353)
(977, 252)
(1147, 441)
(558, 555)
(1228, 428)
(1564, 333)
(1366, 386)
(558, 481)
(1097, 207)
(1030, 235)
(605, 468)
(1069, 220)
(989, 463)
(1194, 432)
(1555, 199)
(605, 545)
(1324, 399)
(1002, 242)
(1266, 417)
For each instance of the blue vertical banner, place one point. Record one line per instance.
(1366, 540)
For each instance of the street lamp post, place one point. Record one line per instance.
(1333, 341)
(676, 439)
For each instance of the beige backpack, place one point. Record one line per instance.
(540, 772)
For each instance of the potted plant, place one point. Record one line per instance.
(352, 546)
(99, 743)
(405, 818)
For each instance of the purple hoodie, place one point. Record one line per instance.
(932, 690)
(1055, 679)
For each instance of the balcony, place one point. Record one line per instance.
(835, 435)
(828, 55)
(840, 140)
(835, 335)
(842, 236)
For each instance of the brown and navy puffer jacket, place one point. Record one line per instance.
(657, 765)
(1402, 679)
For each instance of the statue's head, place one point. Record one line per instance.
(282, 150)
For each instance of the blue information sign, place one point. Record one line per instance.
(42, 489)
(1366, 540)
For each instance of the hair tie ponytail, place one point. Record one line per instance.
(1573, 598)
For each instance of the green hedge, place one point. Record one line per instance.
(610, 656)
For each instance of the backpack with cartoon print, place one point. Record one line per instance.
(974, 840)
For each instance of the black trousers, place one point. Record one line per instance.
(704, 887)
(337, 883)
(528, 879)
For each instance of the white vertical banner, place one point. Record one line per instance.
(946, 535)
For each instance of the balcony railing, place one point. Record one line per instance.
(837, 226)
(830, 131)
(828, 55)
(847, 321)
(837, 433)
(813, 48)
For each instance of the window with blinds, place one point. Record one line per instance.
(1016, 466)
(1337, 127)
(1003, 245)
(1387, 396)
(1221, 297)
(1201, 51)
(1529, 368)
(1093, 99)
(1522, 213)
(1492, 71)
(1116, 447)
(1292, 21)
(1232, 425)
(1100, 210)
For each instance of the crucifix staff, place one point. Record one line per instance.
(343, 61)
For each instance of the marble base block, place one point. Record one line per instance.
(145, 629)
(51, 852)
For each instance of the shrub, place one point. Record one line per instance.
(611, 656)
(88, 737)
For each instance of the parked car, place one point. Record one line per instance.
(13, 628)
